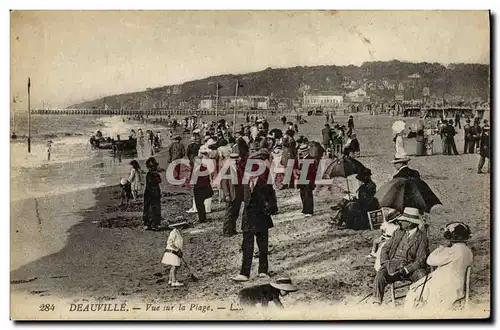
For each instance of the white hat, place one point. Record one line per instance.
(211, 142)
(285, 284)
(204, 150)
(123, 181)
(196, 131)
(412, 215)
(397, 160)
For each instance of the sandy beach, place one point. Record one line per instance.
(108, 256)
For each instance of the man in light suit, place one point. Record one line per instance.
(403, 256)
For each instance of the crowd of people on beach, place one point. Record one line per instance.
(401, 252)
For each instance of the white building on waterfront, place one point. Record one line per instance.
(325, 99)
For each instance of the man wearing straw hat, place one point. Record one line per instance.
(265, 293)
(401, 164)
(403, 256)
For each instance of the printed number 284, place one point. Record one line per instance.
(47, 307)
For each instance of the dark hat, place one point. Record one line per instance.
(303, 148)
(457, 231)
(177, 137)
(151, 162)
(467, 120)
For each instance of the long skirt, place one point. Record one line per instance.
(420, 148)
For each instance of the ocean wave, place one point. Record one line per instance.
(60, 191)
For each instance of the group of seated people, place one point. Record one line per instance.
(402, 254)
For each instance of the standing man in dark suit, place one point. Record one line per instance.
(306, 189)
(449, 135)
(404, 255)
(350, 125)
(468, 139)
(255, 225)
(326, 133)
(401, 164)
(176, 151)
(484, 149)
(457, 120)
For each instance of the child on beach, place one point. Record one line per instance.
(126, 194)
(173, 252)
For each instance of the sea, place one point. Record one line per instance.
(47, 197)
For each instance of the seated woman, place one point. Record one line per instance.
(354, 212)
(351, 146)
(445, 285)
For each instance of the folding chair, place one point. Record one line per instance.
(393, 287)
(465, 298)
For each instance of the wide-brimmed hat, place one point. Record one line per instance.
(398, 160)
(392, 215)
(234, 155)
(364, 174)
(412, 215)
(211, 142)
(196, 131)
(456, 231)
(285, 284)
(151, 162)
(303, 148)
(204, 150)
(277, 150)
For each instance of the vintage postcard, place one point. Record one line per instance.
(250, 165)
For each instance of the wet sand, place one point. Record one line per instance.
(328, 265)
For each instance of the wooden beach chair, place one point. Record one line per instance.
(393, 287)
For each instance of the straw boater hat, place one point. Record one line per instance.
(392, 215)
(234, 155)
(400, 159)
(211, 142)
(412, 215)
(285, 284)
(178, 222)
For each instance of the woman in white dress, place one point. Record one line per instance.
(398, 138)
(445, 285)
(135, 178)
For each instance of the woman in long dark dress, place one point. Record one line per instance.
(357, 215)
(152, 196)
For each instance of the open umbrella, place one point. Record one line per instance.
(406, 192)
(344, 167)
(398, 126)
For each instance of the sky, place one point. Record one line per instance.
(74, 56)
